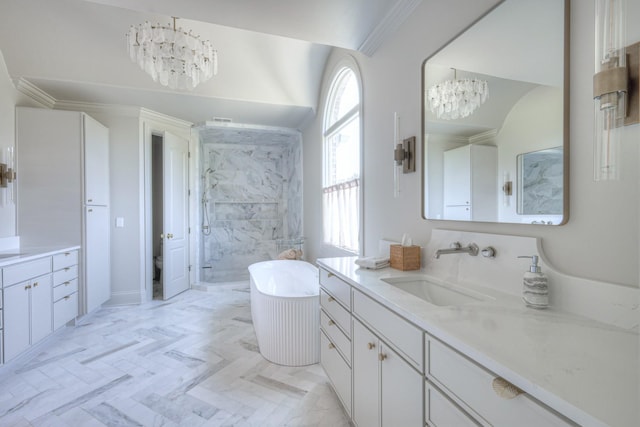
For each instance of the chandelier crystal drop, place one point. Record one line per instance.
(172, 56)
(457, 98)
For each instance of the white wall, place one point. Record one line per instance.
(601, 239)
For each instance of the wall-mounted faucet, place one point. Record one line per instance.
(472, 249)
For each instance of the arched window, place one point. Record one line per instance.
(341, 162)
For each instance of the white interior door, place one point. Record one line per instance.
(175, 255)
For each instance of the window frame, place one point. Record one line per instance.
(344, 64)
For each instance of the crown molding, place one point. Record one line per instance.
(34, 92)
(164, 119)
(483, 137)
(388, 25)
(91, 107)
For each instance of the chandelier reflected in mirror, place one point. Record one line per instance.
(457, 98)
(171, 56)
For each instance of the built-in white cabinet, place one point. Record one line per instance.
(470, 183)
(27, 308)
(475, 393)
(63, 192)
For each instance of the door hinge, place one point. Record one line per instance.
(189, 268)
(189, 192)
(189, 230)
(189, 154)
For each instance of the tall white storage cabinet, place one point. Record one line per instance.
(63, 191)
(470, 183)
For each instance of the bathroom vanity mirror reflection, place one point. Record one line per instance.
(514, 62)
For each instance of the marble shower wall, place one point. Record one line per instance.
(253, 187)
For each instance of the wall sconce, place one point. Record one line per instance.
(507, 189)
(7, 175)
(615, 86)
(404, 155)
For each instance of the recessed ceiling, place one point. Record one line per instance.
(271, 53)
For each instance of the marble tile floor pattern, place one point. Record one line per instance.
(189, 361)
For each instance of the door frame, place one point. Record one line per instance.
(152, 123)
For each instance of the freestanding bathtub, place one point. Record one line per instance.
(286, 312)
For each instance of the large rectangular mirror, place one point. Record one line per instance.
(497, 91)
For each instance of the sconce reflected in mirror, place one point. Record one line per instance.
(615, 86)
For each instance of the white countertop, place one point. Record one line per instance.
(23, 254)
(584, 369)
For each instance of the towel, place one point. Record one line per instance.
(373, 263)
(294, 254)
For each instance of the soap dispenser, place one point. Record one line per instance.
(535, 290)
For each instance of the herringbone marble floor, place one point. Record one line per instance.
(189, 361)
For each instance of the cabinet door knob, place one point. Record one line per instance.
(169, 236)
(90, 200)
(35, 284)
(66, 283)
(67, 269)
(331, 299)
(329, 274)
(331, 322)
(331, 346)
(382, 356)
(67, 297)
(371, 345)
(27, 287)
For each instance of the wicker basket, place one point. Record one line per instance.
(405, 257)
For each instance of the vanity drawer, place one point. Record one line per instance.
(66, 288)
(406, 337)
(64, 275)
(336, 335)
(337, 287)
(65, 259)
(26, 270)
(64, 310)
(337, 370)
(337, 312)
(472, 385)
(439, 411)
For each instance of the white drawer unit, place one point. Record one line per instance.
(64, 310)
(402, 335)
(440, 411)
(336, 336)
(470, 385)
(65, 259)
(65, 288)
(337, 370)
(337, 312)
(336, 287)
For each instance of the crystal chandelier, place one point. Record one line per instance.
(172, 56)
(455, 98)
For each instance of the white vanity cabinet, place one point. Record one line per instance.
(470, 386)
(335, 334)
(27, 312)
(470, 185)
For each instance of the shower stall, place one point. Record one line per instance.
(250, 197)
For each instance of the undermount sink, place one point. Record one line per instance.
(435, 293)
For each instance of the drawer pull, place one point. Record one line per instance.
(382, 356)
(69, 253)
(331, 346)
(331, 299)
(67, 269)
(330, 274)
(67, 297)
(371, 345)
(505, 389)
(331, 322)
(66, 283)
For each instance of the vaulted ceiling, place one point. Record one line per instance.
(272, 53)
